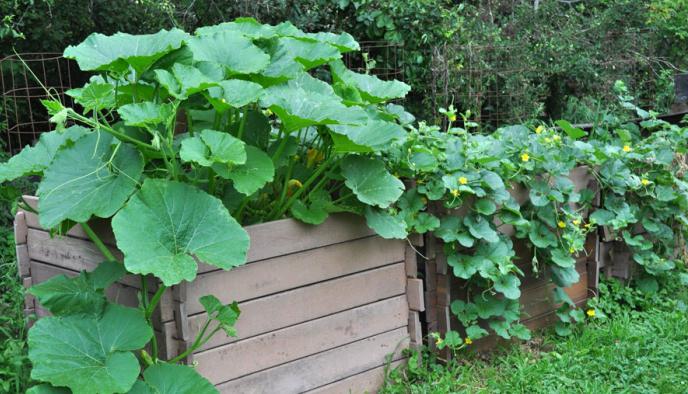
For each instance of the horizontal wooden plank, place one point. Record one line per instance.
(268, 240)
(119, 293)
(284, 309)
(295, 342)
(323, 368)
(294, 270)
(365, 382)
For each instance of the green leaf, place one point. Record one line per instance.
(648, 285)
(565, 277)
(464, 267)
(541, 236)
(167, 225)
(184, 80)
(500, 328)
(89, 354)
(563, 258)
(520, 331)
(376, 135)
(476, 332)
(485, 206)
(234, 93)
(573, 132)
(94, 96)
(425, 222)
(117, 52)
(370, 181)
(83, 294)
(488, 305)
(146, 114)
(385, 224)
(316, 211)
(232, 50)
(509, 286)
(210, 147)
(481, 228)
(93, 177)
(372, 88)
(33, 160)
(252, 175)
(225, 315)
(164, 378)
(47, 389)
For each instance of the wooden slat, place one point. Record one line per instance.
(414, 292)
(539, 301)
(281, 310)
(22, 253)
(415, 329)
(365, 382)
(320, 369)
(291, 343)
(20, 228)
(294, 270)
(411, 260)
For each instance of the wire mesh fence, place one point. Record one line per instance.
(26, 79)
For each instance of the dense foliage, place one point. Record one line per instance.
(182, 139)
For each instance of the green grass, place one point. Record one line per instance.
(14, 363)
(641, 348)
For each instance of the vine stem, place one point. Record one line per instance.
(305, 186)
(98, 242)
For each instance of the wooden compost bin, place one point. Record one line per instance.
(322, 307)
(537, 305)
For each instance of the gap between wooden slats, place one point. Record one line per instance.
(323, 368)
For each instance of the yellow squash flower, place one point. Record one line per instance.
(572, 250)
(590, 313)
(463, 180)
(439, 341)
(645, 182)
(627, 148)
(468, 341)
(548, 140)
(294, 183)
(525, 157)
(556, 138)
(561, 224)
(539, 129)
(455, 193)
(452, 118)
(576, 222)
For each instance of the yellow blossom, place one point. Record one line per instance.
(539, 129)
(313, 156)
(525, 157)
(576, 222)
(463, 180)
(588, 225)
(645, 182)
(590, 312)
(439, 341)
(267, 112)
(455, 193)
(468, 341)
(572, 250)
(627, 148)
(452, 117)
(294, 183)
(561, 224)
(548, 140)
(556, 138)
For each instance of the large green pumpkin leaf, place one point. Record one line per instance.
(94, 96)
(210, 147)
(234, 93)
(95, 176)
(184, 80)
(33, 160)
(252, 175)
(117, 52)
(172, 379)
(230, 49)
(375, 135)
(371, 87)
(89, 354)
(385, 224)
(82, 294)
(370, 181)
(167, 225)
(47, 389)
(146, 114)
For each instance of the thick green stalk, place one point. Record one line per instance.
(305, 186)
(98, 242)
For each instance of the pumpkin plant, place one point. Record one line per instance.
(181, 139)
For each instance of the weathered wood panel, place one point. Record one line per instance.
(284, 309)
(364, 382)
(323, 368)
(301, 340)
(298, 269)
